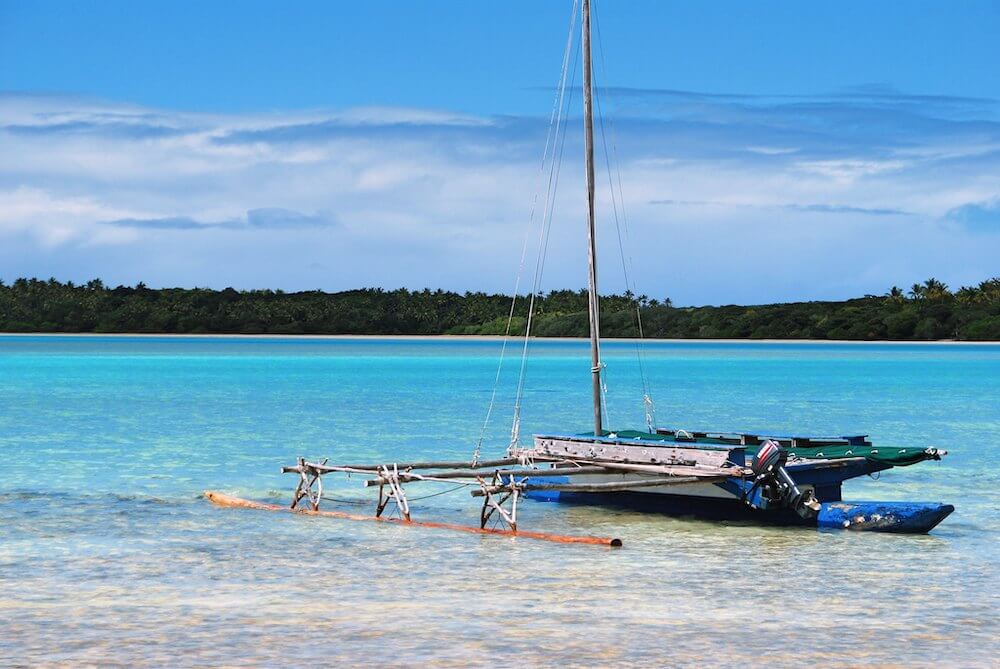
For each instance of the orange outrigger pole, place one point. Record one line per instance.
(221, 499)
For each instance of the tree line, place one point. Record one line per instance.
(927, 311)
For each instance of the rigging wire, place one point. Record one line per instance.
(555, 140)
(551, 139)
(621, 223)
(366, 502)
(457, 486)
(548, 209)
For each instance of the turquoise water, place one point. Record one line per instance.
(108, 554)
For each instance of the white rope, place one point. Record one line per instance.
(650, 411)
(602, 371)
(515, 431)
(550, 137)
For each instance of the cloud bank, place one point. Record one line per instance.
(272, 217)
(730, 197)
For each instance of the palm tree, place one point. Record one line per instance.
(917, 291)
(989, 290)
(896, 294)
(935, 290)
(967, 294)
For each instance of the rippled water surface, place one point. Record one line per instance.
(109, 554)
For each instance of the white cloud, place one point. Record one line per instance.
(52, 220)
(852, 193)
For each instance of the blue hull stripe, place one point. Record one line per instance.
(900, 517)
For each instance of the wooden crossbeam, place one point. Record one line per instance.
(402, 466)
(609, 486)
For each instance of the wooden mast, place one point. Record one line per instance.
(594, 308)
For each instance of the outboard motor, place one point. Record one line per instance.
(776, 485)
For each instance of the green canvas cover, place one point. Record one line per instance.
(894, 456)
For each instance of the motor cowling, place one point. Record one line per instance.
(770, 456)
(776, 484)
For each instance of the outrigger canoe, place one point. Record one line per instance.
(812, 495)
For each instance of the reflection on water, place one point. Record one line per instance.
(108, 555)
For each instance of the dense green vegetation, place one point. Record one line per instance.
(927, 311)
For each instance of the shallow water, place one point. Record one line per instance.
(108, 554)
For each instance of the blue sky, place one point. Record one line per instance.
(771, 150)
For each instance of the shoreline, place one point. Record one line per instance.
(496, 338)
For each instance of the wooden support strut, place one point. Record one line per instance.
(391, 480)
(492, 505)
(308, 477)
